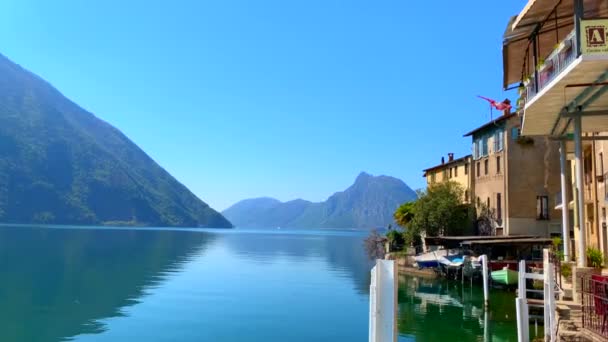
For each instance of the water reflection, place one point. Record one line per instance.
(163, 285)
(437, 310)
(342, 250)
(58, 283)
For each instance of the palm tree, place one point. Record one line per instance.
(404, 214)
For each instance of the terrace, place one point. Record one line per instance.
(559, 64)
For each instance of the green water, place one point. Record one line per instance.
(72, 284)
(440, 310)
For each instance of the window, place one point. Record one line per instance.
(476, 149)
(456, 171)
(450, 172)
(478, 169)
(485, 167)
(466, 169)
(497, 165)
(445, 174)
(499, 207)
(433, 177)
(515, 133)
(498, 141)
(478, 201)
(488, 202)
(466, 195)
(542, 207)
(484, 146)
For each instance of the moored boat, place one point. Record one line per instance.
(434, 258)
(505, 276)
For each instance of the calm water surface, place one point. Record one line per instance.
(69, 284)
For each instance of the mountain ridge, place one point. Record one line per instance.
(368, 203)
(61, 164)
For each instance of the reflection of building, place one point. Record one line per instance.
(557, 54)
(457, 170)
(512, 178)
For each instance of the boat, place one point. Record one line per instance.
(505, 276)
(452, 260)
(432, 259)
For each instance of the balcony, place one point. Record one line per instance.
(558, 61)
(557, 51)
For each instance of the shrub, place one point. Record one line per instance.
(374, 245)
(395, 239)
(566, 270)
(595, 257)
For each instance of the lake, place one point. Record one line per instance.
(106, 284)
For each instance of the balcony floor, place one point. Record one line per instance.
(542, 112)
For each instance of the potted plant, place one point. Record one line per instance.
(521, 89)
(541, 64)
(595, 258)
(526, 81)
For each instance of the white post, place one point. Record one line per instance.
(578, 165)
(523, 325)
(484, 269)
(521, 281)
(383, 302)
(546, 293)
(486, 327)
(549, 297)
(521, 305)
(564, 194)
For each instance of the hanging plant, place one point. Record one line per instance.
(541, 64)
(526, 80)
(525, 141)
(521, 89)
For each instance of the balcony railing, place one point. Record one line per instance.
(561, 57)
(595, 304)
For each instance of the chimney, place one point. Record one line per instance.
(450, 157)
(507, 111)
(442, 160)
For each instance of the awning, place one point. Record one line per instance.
(554, 20)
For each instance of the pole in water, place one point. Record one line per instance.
(484, 270)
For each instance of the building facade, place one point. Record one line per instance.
(513, 178)
(562, 84)
(456, 170)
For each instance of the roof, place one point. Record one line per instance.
(527, 241)
(553, 19)
(441, 166)
(491, 123)
(455, 241)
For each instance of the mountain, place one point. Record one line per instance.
(370, 202)
(60, 164)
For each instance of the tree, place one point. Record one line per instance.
(374, 245)
(440, 211)
(405, 214)
(485, 220)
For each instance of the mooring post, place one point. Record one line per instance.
(383, 302)
(521, 306)
(484, 270)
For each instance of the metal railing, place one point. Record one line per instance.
(594, 294)
(561, 57)
(556, 260)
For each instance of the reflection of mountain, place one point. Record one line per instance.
(71, 278)
(343, 251)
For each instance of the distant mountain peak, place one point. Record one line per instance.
(363, 176)
(368, 203)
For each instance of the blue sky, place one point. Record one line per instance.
(289, 99)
